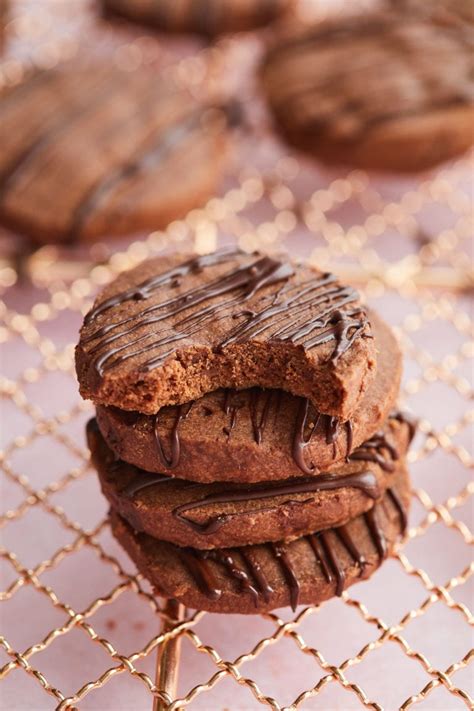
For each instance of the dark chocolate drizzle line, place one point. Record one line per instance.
(376, 532)
(349, 437)
(260, 404)
(230, 408)
(247, 280)
(263, 586)
(333, 562)
(281, 554)
(322, 545)
(379, 450)
(235, 571)
(346, 539)
(331, 427)
(364, 481)
(314, 542)
(296, 325)
(259, 422)
(335, 324)
(198, 566)
(404, 418)
(172, 461)
(300, 440)
(397, 502)
(148, 287)
(143, 482)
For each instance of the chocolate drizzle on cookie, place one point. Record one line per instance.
(144, 482)
(281, 554)
(172, 461)
(364, 481)
(260, 403)
(198, 566)
(405, 419)
(148, 287)
(395, 499)
(263, 406)
(250, 575)
(309, 423)
(308, 314)
(379, 450)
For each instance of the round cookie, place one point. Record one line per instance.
(263, 577)
(253, 435)
(175, 328)
(90, 151)
(204, 17)
(389, 91)
(223, 515)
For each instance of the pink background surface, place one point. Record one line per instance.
(337, 629)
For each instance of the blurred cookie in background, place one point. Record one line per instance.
(95, 151)
(390, 91)
(204, 17)
(443, 10)
(3, 22)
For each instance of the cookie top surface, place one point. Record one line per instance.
(175, 328)
(228, 515)
(113, 151)
(263, 577)
(253, 435)
(347, 88)
(206, 17)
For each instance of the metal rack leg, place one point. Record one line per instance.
(167, 658)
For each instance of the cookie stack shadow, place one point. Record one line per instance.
(246, 499)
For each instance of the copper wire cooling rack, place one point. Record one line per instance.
(82, 628)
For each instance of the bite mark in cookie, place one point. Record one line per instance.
(173, 329)
(253, 435)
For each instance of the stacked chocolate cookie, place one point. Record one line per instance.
(245, 434)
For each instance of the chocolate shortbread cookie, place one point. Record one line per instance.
(253, 435)
(175, 328)
(386, 91)
(263, 577)
(204, 17)
(223, 515)
(93, 151)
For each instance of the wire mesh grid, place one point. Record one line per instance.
(73, 600)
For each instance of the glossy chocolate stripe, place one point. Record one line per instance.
(280, 552)
(146, 288)
(295, 325)
(322, 545)
(247, 280)
(364, 481)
